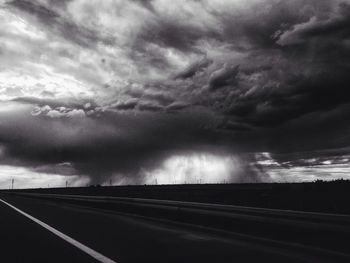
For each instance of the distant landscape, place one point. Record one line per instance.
(318, 196)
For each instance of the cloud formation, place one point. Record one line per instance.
(116, 88)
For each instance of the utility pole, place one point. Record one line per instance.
(13, 181)
(66, 184)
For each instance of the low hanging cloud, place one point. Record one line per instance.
(120, 87)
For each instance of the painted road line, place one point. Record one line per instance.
(70, 240)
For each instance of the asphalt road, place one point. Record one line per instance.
(119, 237)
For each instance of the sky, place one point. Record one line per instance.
(160, 91)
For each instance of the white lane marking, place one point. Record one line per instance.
(70, 240)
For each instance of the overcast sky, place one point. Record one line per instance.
(174, 91)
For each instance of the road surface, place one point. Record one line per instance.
(120, 238)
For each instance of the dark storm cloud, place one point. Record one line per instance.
(234, 126)
(304, 75)
(232, 77)
(170, 34)
(223, 77)
(160, 97)
(129, 104)
(335, 27)
(194, 68)
(176, 106)
(150, 106)
(99, 147)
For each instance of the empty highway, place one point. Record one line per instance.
(117, 237)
